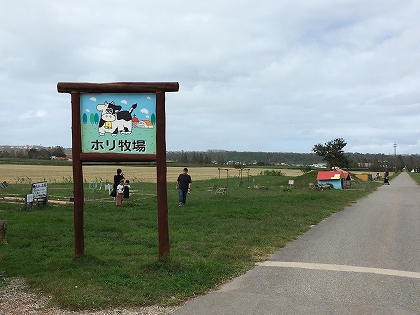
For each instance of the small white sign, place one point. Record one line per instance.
(108, 187)
(29, 198)
(291, 181)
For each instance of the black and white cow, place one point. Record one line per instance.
(113, 120)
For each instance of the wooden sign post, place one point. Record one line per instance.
(112, 139)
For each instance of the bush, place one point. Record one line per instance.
(272, 173)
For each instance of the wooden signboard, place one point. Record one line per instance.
(39, 192)
(119, 122)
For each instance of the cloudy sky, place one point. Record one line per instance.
(267, 75)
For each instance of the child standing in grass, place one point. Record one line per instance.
(127, 189)
(120, 193)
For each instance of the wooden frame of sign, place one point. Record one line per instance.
(79, 157)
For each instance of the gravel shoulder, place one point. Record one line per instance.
(17, 299)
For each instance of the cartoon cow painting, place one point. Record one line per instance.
(113, 120)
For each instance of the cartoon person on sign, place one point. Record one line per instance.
(114, 120)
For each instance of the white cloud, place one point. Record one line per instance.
(266, 76)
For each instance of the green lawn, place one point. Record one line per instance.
(212, 239)
(416, 177)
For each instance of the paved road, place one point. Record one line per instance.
(362, 260)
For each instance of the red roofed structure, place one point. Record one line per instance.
(338, 179)
(327, 175)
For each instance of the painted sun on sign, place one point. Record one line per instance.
(118, 123)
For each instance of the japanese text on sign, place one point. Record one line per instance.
(120, 145)
(39, 190)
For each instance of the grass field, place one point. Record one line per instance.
(212, 239)
(13, 173)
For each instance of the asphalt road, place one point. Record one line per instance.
(362, 260)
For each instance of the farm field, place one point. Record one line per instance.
(214, 238)
(13, 173)
(17, 173)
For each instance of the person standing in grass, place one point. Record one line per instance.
(120, 193)
(183, 184)
(127, 189)
(117, 178)
(386, 178)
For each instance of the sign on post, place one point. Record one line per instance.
(29, 198)
(119, 122)
(39, 191)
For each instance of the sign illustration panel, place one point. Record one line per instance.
(118, 123)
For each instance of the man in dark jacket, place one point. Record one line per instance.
(183, 184)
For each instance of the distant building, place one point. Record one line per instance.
(136, 123)
(319, 165)
(62, 158)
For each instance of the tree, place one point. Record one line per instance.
(182, 157)
(197, 158)
(33, 153)
(399, 164)
(58, 151)
(44, 154)
(305, 169)
(411, 164)
(332, 153)
(21, 154)
(207, 159)
(221, 159)
(375, 165)
(200, 158)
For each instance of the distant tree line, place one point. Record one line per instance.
(242, 158)
(38, 153)
(355, 161)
